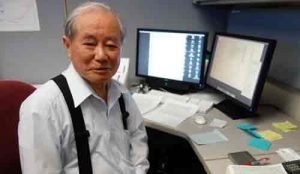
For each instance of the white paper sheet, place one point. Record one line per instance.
(207, 96)
(172, 112)
(19, 15)
(218, 123)
(268, 169)
(146, 102)
(168, 95)
(203, 105)
(288, 154)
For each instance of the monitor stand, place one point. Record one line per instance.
(234, 111)
(168, 85)
(171, 90)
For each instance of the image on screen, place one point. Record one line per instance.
(239, 66)
(173, 55)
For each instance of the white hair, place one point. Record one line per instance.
(70, 27)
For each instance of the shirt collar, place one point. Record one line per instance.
(115, 91)
(81, 90)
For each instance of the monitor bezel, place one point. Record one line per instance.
(171, 82)
(262, 75)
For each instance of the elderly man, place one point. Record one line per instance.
(47, 142)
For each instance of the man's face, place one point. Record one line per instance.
(95, 47)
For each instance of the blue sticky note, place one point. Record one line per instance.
(260, 143)
(245, 126)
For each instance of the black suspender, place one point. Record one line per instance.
(80, 132)
(125, 114)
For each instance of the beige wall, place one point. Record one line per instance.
(284, 97)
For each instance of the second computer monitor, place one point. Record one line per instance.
(171, 59)
(238, 68)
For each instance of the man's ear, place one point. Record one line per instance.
(67, 44)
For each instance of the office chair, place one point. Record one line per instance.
(12, 94)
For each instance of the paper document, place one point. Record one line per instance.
(207, 96)
(168, 95)
(211, 137)
(146, 102)
(203, 105)
(218, 123)
(172, 113)
(288, 154)
(268, 169)
(19, 15)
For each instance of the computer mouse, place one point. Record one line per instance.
(199, 119)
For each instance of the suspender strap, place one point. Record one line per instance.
(125, 114)
(80, 132)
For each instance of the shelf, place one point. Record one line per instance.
(290, 3)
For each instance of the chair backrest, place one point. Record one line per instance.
(12, 94)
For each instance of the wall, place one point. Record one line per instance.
(282, 96)
(282, 24)
(35, 57)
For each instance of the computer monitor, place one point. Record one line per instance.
(171, 59)
(238, 68)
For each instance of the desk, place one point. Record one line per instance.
(219, 165)
(214, 156)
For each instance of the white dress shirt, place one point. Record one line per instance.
(46, 136)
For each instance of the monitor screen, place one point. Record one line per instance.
(171, 59)
(238, 68)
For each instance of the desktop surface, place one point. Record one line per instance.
(214, 156)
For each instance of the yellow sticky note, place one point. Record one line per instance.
(285, 126)
(269, 135)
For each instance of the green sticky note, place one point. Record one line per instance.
(253, 133)
(260, 143)
(270, 135)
